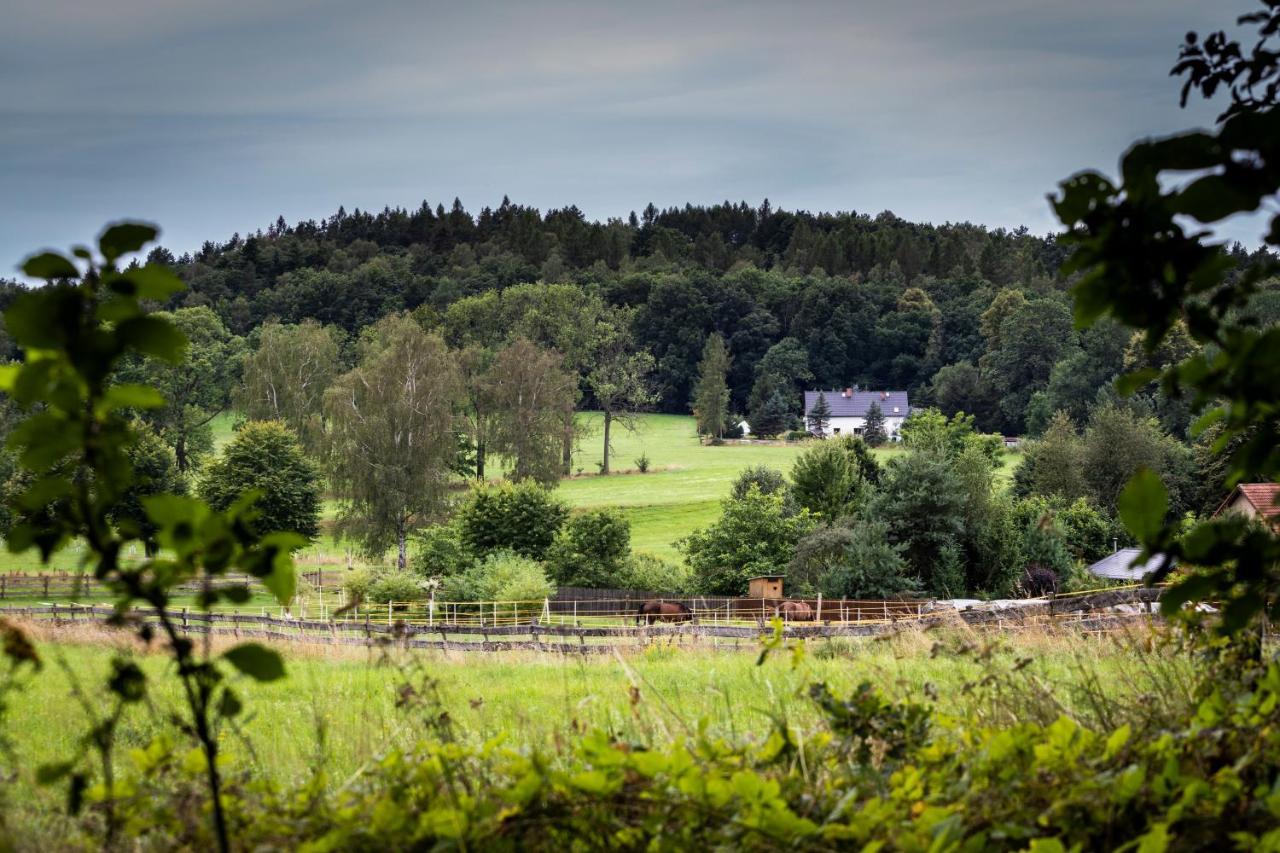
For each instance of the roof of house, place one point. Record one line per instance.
(1262, 496)
(856, 404)
(1119, 566)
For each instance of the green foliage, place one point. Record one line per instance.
(873, 429)
(1138, 262)
(819, 417)
(393, 585)
(711, 395)
(391, 435)
(530, 394)
(654, 574)
(854, 560)
(500, 576)
(827, 481)
(285, 376)
(75, 444)
(266, 460)
(440, 551)
(591, 550)
(767, 480)
(155, 472)
(922, 500)
(773, 417)
(523, 518)
(1054, 464)
(755, 535)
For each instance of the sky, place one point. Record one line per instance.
(211, 118)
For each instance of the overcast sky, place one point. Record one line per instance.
(215, 117)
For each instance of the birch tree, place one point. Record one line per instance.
(286, 376)
(391, 435)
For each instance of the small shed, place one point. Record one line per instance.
(765, 586)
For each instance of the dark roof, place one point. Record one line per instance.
(1263, 496)
(767, 578)
(857, 403)
(1118, 566)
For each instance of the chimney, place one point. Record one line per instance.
(848, 392)
(884, 395)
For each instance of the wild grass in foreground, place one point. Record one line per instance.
(342, 711)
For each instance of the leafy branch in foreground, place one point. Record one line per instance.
(1141, 265)
(75, 331)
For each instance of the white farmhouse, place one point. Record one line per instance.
(849, 410)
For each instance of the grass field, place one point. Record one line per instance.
(680, 493)
(536, 702)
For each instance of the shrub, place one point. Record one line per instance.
(591, 549)
(642, 463)
(853, 561)
(767, 480)
(501, 576)
(654, 574)
(265, 456)
(826, 481)
(1038, 581)
(356, 584)
(440, 552)
(523, 518)
(753, 536)
(395, 585)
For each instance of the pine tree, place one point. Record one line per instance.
(711, 395)
(820, 416)
(873, 433)
(774, 416)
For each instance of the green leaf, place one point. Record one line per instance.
(1191, 588)
(131, 396)
(154, 336)
(256, 661)
(1143, 505)
(49, 266)
(1130, 383)
(125, 237)
(153, 282)
(230, 704)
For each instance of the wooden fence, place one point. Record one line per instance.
(46, 585)
(1079, 614)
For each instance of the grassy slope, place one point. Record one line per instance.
(681, 492)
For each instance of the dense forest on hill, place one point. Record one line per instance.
(961, 316)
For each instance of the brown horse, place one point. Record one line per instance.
(654, 610)
(796, 611)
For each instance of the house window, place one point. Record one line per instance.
(835, 431)
(857, 430)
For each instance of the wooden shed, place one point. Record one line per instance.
(765, 586)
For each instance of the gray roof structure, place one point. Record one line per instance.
(1117, 566)
(856, 404)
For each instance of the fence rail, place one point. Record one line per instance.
(1085, 615)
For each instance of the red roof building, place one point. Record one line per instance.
(1255, 500)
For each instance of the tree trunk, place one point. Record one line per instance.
(180, 453)
(480, 460)
(402, 561)
(608, 421)
(566, 449)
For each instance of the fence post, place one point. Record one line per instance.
(184, 618)
(431, 611)
(817, 618)
(46, 584)
(388, 612)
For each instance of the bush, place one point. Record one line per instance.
(501, 576)
(440, 552)
(767, 480)
(591, 550)
(642, 463)
(356, 584)
(854, 561)
(798, 435)
(654, 574)
(523, 518)
(265, 456)
(396, 585)
(753, 536)
(826, 481)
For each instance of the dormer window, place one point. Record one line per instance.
(895, 410)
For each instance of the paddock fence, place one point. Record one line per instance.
(1096, 613)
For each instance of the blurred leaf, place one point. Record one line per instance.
(1130, 383)
(49, 265)
(154, 336)
(256, 661)
(125, 237)
(1143, 505)
(131, 396)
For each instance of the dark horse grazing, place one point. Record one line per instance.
(796, 611)
(663, 611)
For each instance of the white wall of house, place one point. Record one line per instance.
(845, 426)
